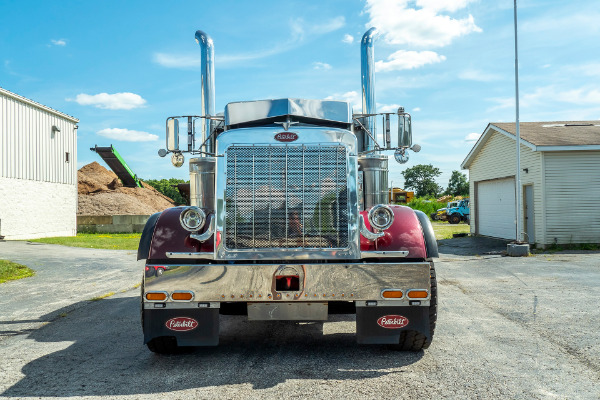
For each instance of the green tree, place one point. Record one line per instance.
(168, 187)
(458, 185)
(421, 178)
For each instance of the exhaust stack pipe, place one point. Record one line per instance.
(367, 66)
(207, 73)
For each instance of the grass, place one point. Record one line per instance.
(112, 241)
(428, 206)
(444, 230)
(10, 271)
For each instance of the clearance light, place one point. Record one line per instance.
(182, 295)
(392, 294)
(417, 294)
(156, 296)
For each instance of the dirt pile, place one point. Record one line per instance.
(102, 193)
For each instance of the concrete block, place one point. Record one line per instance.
(86, 228)
(94, 219)
(114, 228)
(517, 250)
(139, 228)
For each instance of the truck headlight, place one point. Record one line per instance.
(381, 217)
(192, 219)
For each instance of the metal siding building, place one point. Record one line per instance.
(560, 176)
(38, 169)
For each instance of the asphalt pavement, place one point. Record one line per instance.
(517, 328)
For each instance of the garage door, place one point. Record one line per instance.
(496, 208)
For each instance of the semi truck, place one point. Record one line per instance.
(289, 220)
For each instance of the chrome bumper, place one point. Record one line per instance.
(358, 282)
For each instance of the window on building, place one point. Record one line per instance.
(67, 156)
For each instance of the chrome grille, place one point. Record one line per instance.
(286, 197)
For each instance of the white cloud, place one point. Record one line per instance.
(421, 27)
(472, 137)
(546, 95)
(348, 39)
(116, 101)
(403, 59)
(127, 135)
(443, 5)
(300, 32)
(351, 97)
(386, 108)
(59, 42)
(416, 109)
(177, 60)
(321, 66)
(478, 75)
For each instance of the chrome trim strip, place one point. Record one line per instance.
(179, 306)
(367, 234)
(194, 256)
(387, 303)
(203, 237)
(383, 254)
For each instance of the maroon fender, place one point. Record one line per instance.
(169, 236)
(405, 234)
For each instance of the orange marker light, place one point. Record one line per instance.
(392, 294)
(417, 294)
(156, 296)
(182, 296)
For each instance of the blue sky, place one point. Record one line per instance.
(123, 67)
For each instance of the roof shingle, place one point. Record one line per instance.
(557, 133)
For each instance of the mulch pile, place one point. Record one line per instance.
(102, 193)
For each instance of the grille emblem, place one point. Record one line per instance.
(286, 136)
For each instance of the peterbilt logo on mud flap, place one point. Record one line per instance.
(181, 324)
(286, 136)
(392, 321)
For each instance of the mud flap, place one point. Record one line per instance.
(382, 325)
(191, 327)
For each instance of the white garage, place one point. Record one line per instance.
(560, 178)
(38, 169)
(496, 208)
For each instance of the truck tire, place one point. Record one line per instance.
(434, 216)
(454, 219)
(413, 340)
(163, 345)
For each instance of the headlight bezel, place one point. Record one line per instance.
(185, 220)
(372, 216)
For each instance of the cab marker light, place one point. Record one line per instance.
(417, 294)
(156, 296)
(392, 294)
(182, 295)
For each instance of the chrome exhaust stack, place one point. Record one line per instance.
(373, 165)
(367, 67)
(207, 73)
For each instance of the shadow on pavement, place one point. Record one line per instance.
(472, 246)
(107, 356)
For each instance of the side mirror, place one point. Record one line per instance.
(404, 129)
(172, 134)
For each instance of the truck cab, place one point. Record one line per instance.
(288, 220)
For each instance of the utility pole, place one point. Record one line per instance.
(518, 175)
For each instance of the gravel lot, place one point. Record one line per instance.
(507, 328)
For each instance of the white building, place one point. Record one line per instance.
(560, 177)
(38, 169)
